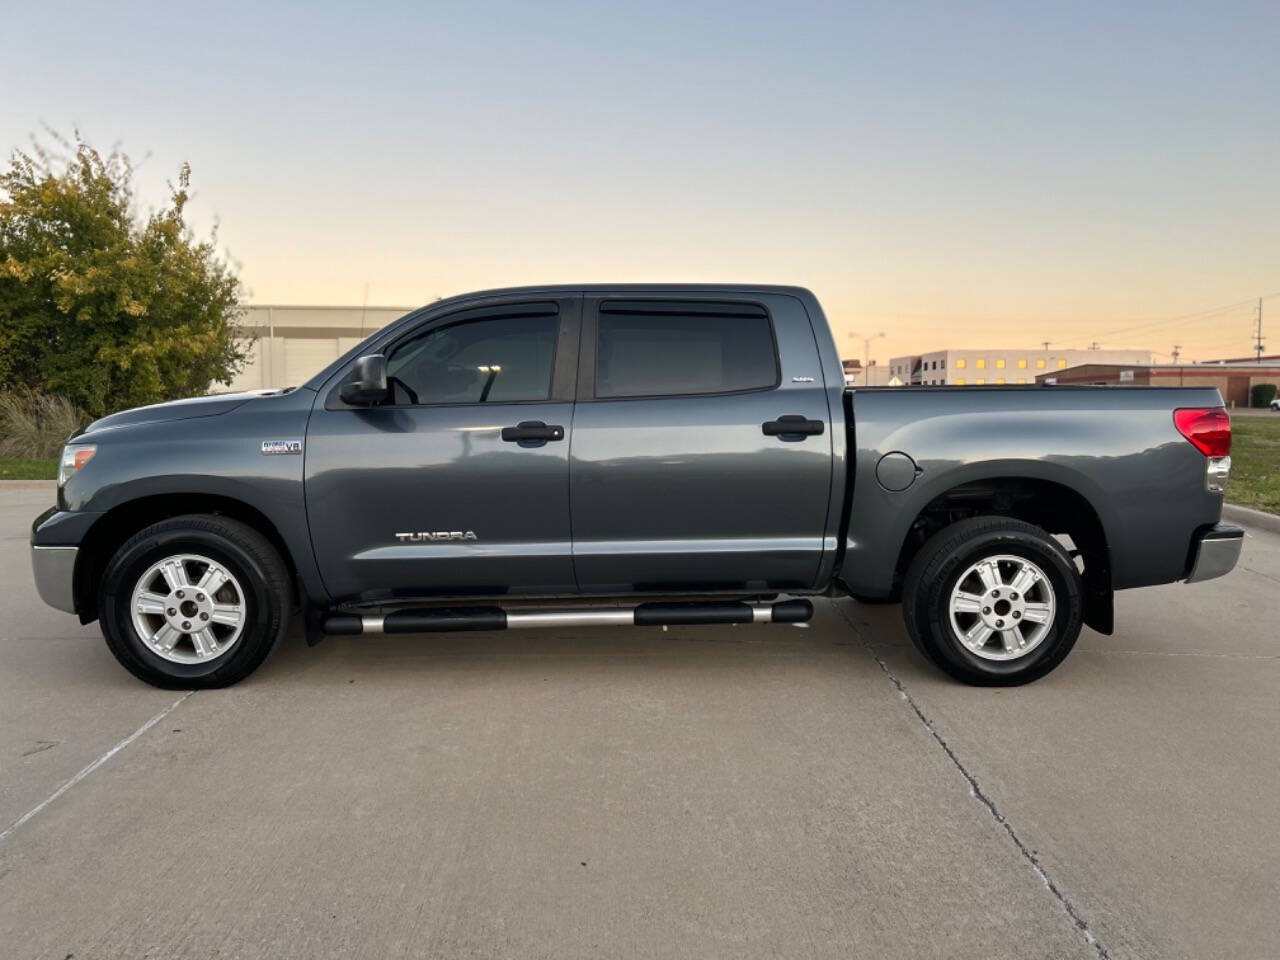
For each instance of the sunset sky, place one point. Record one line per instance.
(954, 175)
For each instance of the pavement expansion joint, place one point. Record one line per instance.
(1180, 653)
(1073, 912)
(93, 766)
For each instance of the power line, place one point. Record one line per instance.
(1212, 311)
(1165, 325)
(1153, 326)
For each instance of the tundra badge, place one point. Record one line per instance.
(436, 536)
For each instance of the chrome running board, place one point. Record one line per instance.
(455, 619)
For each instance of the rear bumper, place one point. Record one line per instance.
(54, 569)
(1215, 552)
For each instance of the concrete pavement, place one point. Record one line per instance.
(703, 792)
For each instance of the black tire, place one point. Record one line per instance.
(245, 553)
(947, 556)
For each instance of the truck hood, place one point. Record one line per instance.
(210, 406)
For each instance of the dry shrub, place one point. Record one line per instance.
(36, 425)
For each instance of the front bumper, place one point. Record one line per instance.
(1215, 552)
(55, 538)
(54, 569)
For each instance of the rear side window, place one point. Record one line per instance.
(647, 349)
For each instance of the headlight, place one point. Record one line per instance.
(74, 457)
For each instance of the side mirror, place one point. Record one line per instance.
(368, 383)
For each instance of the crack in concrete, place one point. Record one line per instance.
(975, 791)
(1264, 576)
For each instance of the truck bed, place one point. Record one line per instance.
(1115, 449)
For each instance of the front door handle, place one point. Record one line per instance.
(792, 427)
(532, 433)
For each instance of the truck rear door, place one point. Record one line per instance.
(701, 451)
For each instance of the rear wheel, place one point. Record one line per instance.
(194, 601)
(993, 601)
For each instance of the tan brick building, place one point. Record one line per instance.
(1233, 378)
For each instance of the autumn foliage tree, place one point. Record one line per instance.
(99, 304)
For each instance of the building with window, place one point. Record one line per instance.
(1001, 367)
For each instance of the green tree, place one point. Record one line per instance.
(102, 306)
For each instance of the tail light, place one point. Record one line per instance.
(1209, 429)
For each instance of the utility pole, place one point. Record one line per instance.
(1177, 351)
(866, 361)
(1094, 345)
(1257, 336)
(1045, 344)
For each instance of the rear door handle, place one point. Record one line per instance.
(532, 433)
(792, 427)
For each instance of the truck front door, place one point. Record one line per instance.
(459, 484)
(702, 451)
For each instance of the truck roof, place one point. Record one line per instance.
(562, 288)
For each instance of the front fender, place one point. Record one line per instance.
(199, 459)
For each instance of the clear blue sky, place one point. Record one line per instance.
(1001, 174)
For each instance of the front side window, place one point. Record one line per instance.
(668, 349)
(503, 359)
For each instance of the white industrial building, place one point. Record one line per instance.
(294, 342)
(876, 375)
(999, 366)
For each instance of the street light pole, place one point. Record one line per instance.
(866, 350)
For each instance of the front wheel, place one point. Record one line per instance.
(194, 601)
(993, 601)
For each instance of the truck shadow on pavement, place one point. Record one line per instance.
(843, 630)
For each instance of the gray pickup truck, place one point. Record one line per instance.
(639, 455)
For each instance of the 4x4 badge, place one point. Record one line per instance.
(281, 448)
